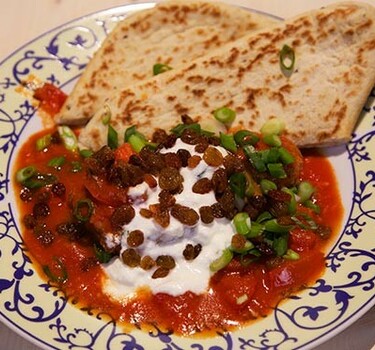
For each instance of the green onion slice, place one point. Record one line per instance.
(280, 245)
(76, 166)
(101, 254)
(225, 115)
(62, 277)
(242, 223)
(112, 137)
(83, 209)
(56, 162)
(85, 153)
(285, 156)
(159, 68)
(256, 229)
(25, 173)
(277, 170)
(43, 142)
(68, 137)
(106, 116)
(310, 204)
(272, 140)
(291, 255)
(273, 226)
(287, 58)
(305, 191)
(227, 141)
(245, 137)
(222, 261)
(237, 183)
(272, 126)
(39, 180)
(267, 185)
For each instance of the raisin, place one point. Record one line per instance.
(190, 136)
(160, 215)
(159, 136)
(170, 141)
(184, 157)
(135, 238)
(212, 156)
(185, 215)
(238, 241)
(122, 216)
(131, 257)
(147, 263)
(227, 201)
(170, 179)
(73, 231)
(29, 221)
(206, 214)
(145, 213)
(324, 232)
(193, 161)
(217, 210)
(202, 186)
(41, 210)
(150, 180)
(131, 175)
(219, 181)
(166, 261)
(58, 189)
(201, 147)
(152, 161)
(278, 202)
(160, 272)
(166, 199)
(232, 164)
(26, 195)
(214, 141)
(191, 252)
(249, 209)
(172, 160)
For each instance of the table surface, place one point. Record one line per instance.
(23, 20)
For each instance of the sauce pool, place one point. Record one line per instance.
(237, 294)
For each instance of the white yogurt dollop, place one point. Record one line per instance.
(193, 275)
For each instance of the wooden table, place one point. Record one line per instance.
(23, 20)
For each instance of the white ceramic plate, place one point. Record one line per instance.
(40, 313)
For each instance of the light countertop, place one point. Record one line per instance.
(23, 20)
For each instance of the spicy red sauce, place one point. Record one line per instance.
(237, 294)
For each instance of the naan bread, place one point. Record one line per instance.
(320, 101)
(173, 33)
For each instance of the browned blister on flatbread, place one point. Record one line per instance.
(320, 101)
(173, 33)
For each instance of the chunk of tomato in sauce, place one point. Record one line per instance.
(51, 98)
(301, 240)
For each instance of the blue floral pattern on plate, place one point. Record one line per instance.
(40, 311)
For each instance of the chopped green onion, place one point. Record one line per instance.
(62, 278)
(133, 131)
(250, 185)
(292, 205)
(39, 180)
(112, 137)
(159, 68)
(305, 191)
(242, 223)
(245, 137)
(256, 229)
(227, 141)
(101, 254)
(56, 162)
(83, 209)
(43, 142)
(76, 166)
(137, 143)
(285, 156)
(264, 217)
(272, 140)
(276, 170)
(280, 245)
(273, 226)
(25, 173)
(237, 183)
(85, 153)
(270, 155)
(248, 246)
(255, 158)
(225, 115)
(310, 204)
(287, 58)
(291, 255)
(68, 137)
(222, 261)
(267, 185)
(273, 126)
(106, 116)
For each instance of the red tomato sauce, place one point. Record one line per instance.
(237, 294)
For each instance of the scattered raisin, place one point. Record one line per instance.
(26, 194)
(159, 136)
(145, 213)
(150, 180)
(202, 186)
(166, 261)
(29, 221)
(135, 238)
(131, 257)
(41, 210)
(212, 156)
(166, 199)
(232, 164)
(170, 141)
(238, 241)
(184, 157)
(193, 161)
(122, 216)
(191, 252)
(160, 272)
(206, 214)
(185, 215)
(58, 189)
(147, 263)
(170, 179)
(219, 181)
(172, 160)
(201, 147)
(217, 210)
(160, 215)
(190, 136)
(324, 232)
